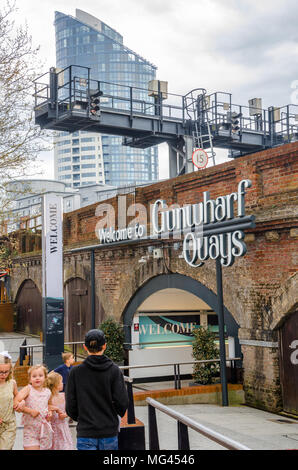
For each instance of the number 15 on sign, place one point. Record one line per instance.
(200, 158)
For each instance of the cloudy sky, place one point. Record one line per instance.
(245, 47)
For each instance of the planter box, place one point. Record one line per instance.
(210, 394)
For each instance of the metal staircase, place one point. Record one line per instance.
(197, 105)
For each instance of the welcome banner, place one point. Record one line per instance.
(167, 330)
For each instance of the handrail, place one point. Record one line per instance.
(180, 363)
(11, 337)
(177, 373)
(186, 422)
(176, 365)
(164, 342)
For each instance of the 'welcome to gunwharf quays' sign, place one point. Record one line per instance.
(209, 229)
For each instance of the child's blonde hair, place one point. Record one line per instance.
(53, 381)
(66, 356)
(39, 366)
(7, 360)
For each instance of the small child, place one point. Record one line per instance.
(8, 390)
(65, 368)
(62, 439)
(36, 414)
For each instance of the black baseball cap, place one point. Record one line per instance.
(97, 336)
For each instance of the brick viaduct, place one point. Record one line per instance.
(260, 289)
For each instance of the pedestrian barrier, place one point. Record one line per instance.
(177, 373)
(32, 347)
(176, 366)
(183, 423)
(27, 350)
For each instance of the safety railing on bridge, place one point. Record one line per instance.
(276, 125)
(69, 90)
(183, 423)
(73, 86)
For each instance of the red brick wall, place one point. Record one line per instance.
(274, 176)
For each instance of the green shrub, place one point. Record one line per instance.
(204, 347)
(115, 338)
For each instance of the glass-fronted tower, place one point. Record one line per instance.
(88, 158)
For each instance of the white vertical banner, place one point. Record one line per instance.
(52, 246)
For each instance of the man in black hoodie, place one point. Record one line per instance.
(95, 396)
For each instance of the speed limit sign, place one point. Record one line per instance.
(200, 158)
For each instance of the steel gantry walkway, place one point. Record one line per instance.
(70, 100)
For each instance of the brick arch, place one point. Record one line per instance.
(18, 281)
(72, 276)
(21, 285)
(285, 302)
(17, 286)
(205, 276)
(178, 281)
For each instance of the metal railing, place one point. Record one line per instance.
(176, 366)
(74, 84)
(74, 345)
(183, 423)
(129, 385)
(28, 350)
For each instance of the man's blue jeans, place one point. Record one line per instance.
(105, 443)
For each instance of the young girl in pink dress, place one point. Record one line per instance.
(62, 439)
(34, 401)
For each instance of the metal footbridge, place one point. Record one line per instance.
(64, 101)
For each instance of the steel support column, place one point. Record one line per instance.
(221, 327)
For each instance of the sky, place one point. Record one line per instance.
(245, 47)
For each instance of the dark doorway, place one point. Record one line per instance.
(289, 363)
(29, 308)
(77, 309)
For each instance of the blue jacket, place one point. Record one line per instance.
(64, 371)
